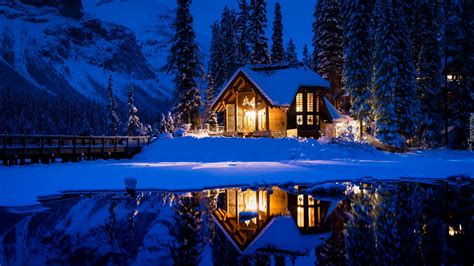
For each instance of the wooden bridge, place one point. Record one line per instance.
(22, 149)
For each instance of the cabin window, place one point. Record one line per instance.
(309, 102)
(299, 102)
(309, 120)
(300, 211)
(317, 103)
(317, 120)
(299, 120)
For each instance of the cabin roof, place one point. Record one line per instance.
(278, 83)
(332, 111)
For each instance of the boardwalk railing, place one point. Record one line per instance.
(18, 149)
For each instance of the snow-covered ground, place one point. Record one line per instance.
(190, 163)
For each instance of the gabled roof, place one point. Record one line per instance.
(278, 83)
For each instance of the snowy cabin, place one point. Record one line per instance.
(275, 100)
(253, 220)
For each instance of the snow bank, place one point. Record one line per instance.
(188, 163)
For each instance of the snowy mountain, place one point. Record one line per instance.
(62, 48)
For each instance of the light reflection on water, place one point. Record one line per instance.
(366, 223)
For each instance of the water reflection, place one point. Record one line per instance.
(367, 223)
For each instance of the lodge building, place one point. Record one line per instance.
(275, 101)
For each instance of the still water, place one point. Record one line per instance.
(364, 223)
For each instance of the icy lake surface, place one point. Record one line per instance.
(368, 223)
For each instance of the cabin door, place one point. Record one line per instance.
(249, 121)
(230, 117)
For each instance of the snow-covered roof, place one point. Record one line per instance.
(272, 237)
(278, 83)
(333, 112)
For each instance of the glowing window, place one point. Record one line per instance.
(310, 201)
(317, 103)
(300, 200)
(299, 119)
(317, 120)
(300, 216)
(309, 120)
(309, 102)
(299, 102)
(311, 217)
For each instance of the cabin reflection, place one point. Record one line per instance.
(243, 214)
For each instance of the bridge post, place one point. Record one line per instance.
(90, 143)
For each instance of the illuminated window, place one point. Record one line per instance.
(317, 103)
(299, 119)
(311, 217)
(300, 217)
(299, 102)
(309, 120)
(317, 120)
(309, 102)
(310, 201)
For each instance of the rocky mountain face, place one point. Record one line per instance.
(64, 49)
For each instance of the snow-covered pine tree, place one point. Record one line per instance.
(358, 58)
(429, 79)
(184, 62)
(306, 56)
(133, 125)
(214, 51)
(327, 43)
(459, 32)
(407, 104)
(113, 117)
(228, 41)
(258, 23)
(385, 76)
(210, 94)
(278, 51)
(291, 55)
(243, 35)
(170, 124)
(163, 128)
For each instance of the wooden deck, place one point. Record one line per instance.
(23, 149)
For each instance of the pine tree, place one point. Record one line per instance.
(358, 58)
(429, 79)
(291, 55)
(327, 43)
(210, 94)
(113, 117)
(228, 40)
(163, 128)
(385, 76)
(170, 124)
(243, 35)
(306, 56)
(133, 125)
(407, 104)
(258, 42)
(184, 62)
(215, 58)
(278, 51)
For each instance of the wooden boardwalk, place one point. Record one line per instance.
(23, 149)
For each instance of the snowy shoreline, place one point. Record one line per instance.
(197, 163)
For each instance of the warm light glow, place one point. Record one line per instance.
(450, 77)
(299, 102)
(300, 216)
(309, 102)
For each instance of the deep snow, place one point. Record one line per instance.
(190, 163)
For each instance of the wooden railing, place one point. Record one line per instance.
(69, 148)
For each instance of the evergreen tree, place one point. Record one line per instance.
(407, 104)
(228, 40)
(278, 51)
(385, 76)
(113, 117)
(258, 23)
(358, 58)
(243, 35)
(170, 124)
(215, 56)
(306, 56)
(163, 128)
(133, 125)
(210, 94)
(184, 62)
(327, 43)
(429, 79)
(291, 55)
